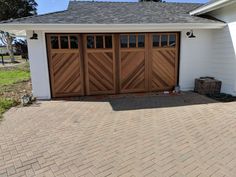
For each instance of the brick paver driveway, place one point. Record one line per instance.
(160, 136)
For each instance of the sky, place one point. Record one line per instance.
(46, 6)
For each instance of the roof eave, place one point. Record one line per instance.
(112, 27)
(211, 6)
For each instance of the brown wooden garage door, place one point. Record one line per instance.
(133, 63)
(112, 63)
(100, 64)
(65, 65)
(148, 62)
(163, 61)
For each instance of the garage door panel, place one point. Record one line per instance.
(101, 79)
(63, 70)
(66, 74)
(161, 65)
(133, 63)
(100, 75)
(98, 84)
(65, 66)
(164, 61)
(158, 82)
(100, 72)
(99, 64)
(136, 80)
(165, 56)
(162, 72)
(133, 72)
(130, 65)
(127, 57)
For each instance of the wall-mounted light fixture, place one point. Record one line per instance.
(190, 34)
(34, 36)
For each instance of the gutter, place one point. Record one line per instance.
(212, 6)
(112, 27)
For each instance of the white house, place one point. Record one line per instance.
(122, 47)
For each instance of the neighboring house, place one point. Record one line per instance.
(119, 47)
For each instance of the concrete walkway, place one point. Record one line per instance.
(160, 136)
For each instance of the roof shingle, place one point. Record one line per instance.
(118, 13)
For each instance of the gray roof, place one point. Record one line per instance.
(80, 12)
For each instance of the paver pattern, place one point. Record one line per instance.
(160, 136)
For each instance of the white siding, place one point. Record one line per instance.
(39, 66)
(224, 49)
(224, 60)
(227, 14)
(194, 58)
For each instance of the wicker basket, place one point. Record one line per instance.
(207, 85)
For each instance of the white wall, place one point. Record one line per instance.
(224, 49)
(226, 14)
(195, 60)
(224, 60)
(195, 55)
(39, 65)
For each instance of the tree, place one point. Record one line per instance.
(7, 39)
(21, 48)
(11, 9)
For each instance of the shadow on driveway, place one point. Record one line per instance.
(148, 101)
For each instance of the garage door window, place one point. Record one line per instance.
(172, 40)
(132, 41)
(54, 42)
(64, 42)
(108, 41)
(141, 41)
(74, 42)
(123, 41)
(99, 41)
(156, 40)
(164, 40)
(90, 42)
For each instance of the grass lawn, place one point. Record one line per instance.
(13, 80)
(8, 77)
(17, 57)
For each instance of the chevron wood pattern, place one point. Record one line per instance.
(100, 72)
(163, 72)
(132, 71)
(66, 74)
(106, 67)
